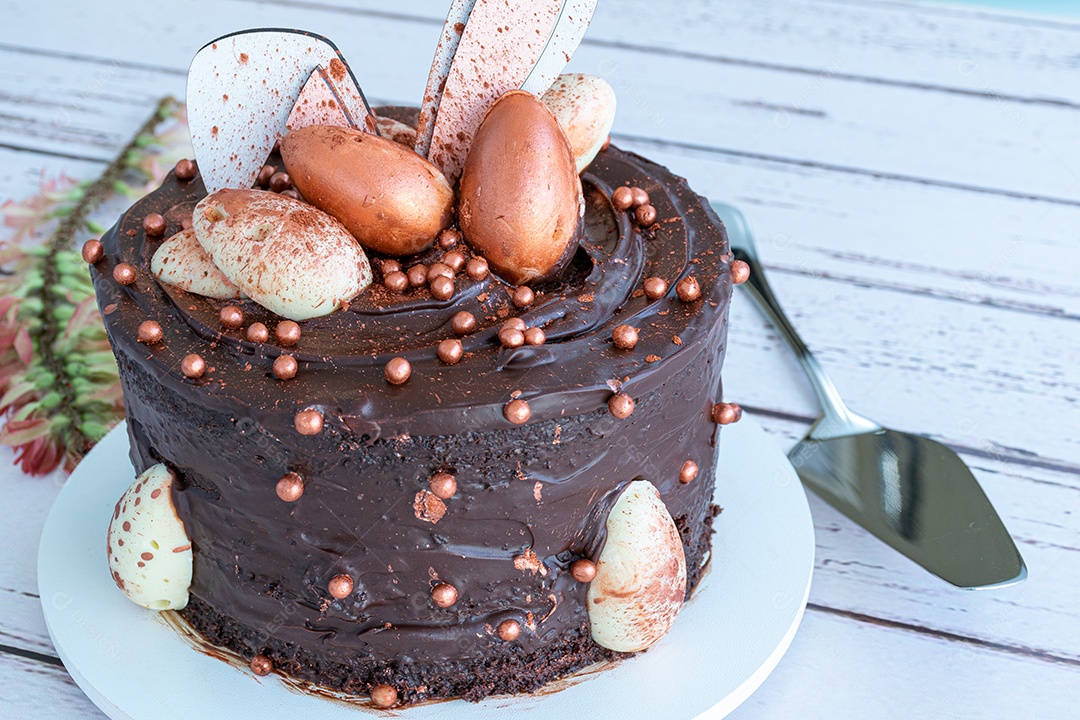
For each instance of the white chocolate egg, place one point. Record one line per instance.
(149, 549)
(286, 255)
(181, 262)
(585, 107)
(640, 581)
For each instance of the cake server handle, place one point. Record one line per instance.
(838, 419)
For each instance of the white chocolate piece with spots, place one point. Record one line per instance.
(640, 581)
(181, 262)
(585, 107)
(286, 255)
(240, 91)
(149, 549)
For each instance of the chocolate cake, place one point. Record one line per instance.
(411, 496)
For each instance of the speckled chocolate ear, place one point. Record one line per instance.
(489, 47)
(241, 89)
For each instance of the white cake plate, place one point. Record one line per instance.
(135, 665)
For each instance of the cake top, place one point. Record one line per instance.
(483, 260)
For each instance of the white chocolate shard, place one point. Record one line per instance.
(240, 91)
(570, 28)
(640, 581)
(456, 19)
(499, 48)
(149, 550)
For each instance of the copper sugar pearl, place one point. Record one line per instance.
(517, 411)
(621, 405)
(279, 181)
(449, 238)
(523, 296)
(417, 275)
(257, 333)
(509, 630)
(389, 266)
(185, 170)
(639, 196)
(150, 332)
(645, 215)
(688, 289)
(622, 198)
(443, 484)
(308, 422)
(340, 586)
(442, 288)
(290, 487)
(655, 288)
(285, 367)
(463, 322)
(231, 317)
(477, 268)
(396, 281)
(688, 472)
(398, 371)
(124, 274)
(193, 366)
(726, 413)
(261, 665)
(439, 269)
(384, 696)
(625, 337)
(514, 323)
(455, 260)
(154, 225)
(511, 338)
(535, 336)
(583, 570)
(92, 251)
(287, 333)
(740, 272)
(450, 351)
(265, 173)
(444, 595)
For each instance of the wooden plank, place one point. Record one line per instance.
(30, 689)
(22, 171)
(837, 668)
(826, 119)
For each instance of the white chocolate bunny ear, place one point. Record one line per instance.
(569, 30)
(241, 89)
(456, 19)
(503, 46)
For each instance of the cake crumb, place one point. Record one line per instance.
(428, 507)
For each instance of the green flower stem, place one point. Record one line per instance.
(49, 288)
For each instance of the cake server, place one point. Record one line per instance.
(911, 492)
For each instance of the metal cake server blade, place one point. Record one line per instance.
(913, 493)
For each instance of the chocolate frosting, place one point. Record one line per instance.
(536, 491)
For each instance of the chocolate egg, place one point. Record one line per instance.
(181, 262)
(149, 549)
(585, 107)
(640, 581)
(391, 199)
(289, 257)
(521, 204)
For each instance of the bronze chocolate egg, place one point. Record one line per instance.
(521, 202)
(391, 199)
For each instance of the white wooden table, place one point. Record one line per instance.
(913, 176)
